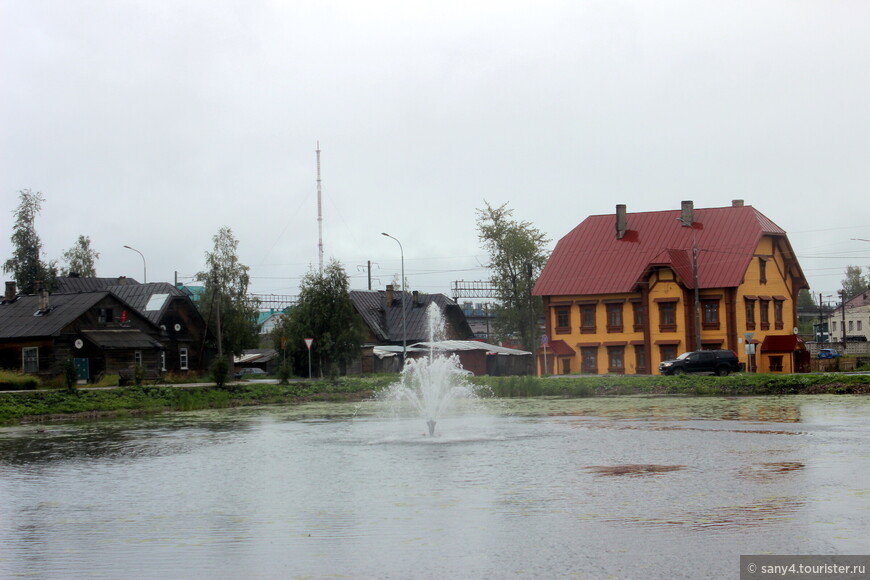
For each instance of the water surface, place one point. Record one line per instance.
(629, 487)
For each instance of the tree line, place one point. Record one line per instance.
(517, 253)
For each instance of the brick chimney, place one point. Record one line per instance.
(621, 221)
(687, 216)
(43, 296)
(416, 298)
(122, 280)
(736, 203)
(11, 292)
(389, 295)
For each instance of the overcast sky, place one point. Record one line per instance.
(154, 123)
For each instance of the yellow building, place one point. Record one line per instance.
(624, 292)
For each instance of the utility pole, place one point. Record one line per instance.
(690, 224)
(821, 321)
(843, 308)
(319, 213)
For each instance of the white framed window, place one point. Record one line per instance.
(30, 359)
(182, 358)
(163, 360)
(137, 357)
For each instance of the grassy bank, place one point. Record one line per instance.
(59, 404)
(84, 403)
(732, 385)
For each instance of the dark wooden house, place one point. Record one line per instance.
(106, 324)
(383, 311)
(100, 331)
(183, 330)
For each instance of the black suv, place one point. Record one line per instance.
(720, 362)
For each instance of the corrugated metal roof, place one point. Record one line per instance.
(559, 348)
(459, 345)
(781, 343)
(591, 260)
(258, 355)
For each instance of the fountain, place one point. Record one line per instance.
(431, 383)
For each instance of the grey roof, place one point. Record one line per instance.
(256, 355)
(457, 345)
(121, 339)
(386, 323)
(139, 296)
(73, 284)
(20, 318)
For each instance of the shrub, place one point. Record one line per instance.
(138, 375)
(70, 374)
(220, 371)
(17, 381)
(284, 372)
(108, 381)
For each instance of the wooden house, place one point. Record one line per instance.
(117, 322)
(392, 317)
(100, 331)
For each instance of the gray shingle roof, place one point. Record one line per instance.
(20, 319)
(139, 296)
(121, 339)
(386, 323)
(73, 284)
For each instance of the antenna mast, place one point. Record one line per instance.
(319, 212)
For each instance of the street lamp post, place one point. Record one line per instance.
(144, 267)
(688, 224)
(404, 320)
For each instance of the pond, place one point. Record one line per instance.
(627, 487)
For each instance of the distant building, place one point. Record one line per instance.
(382, 313)
(850, 322)
(619, 291)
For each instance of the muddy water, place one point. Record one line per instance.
(592, 488)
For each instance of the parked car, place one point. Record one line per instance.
(720, 362)
(828, 353)
(251, 373)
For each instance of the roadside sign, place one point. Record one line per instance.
(545, 339)
(308, 343)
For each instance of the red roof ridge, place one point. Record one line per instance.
(590, 259)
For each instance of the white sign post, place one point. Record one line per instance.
(308, 343)
(750, 348)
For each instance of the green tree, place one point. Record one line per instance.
(517, 254)
(25, 263)
(225, 299)
(806, 300)
(81, 259)
(324, 312)
(854, 283)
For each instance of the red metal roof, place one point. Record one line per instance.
(591, 260)
(557, 347)
(782, 343)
